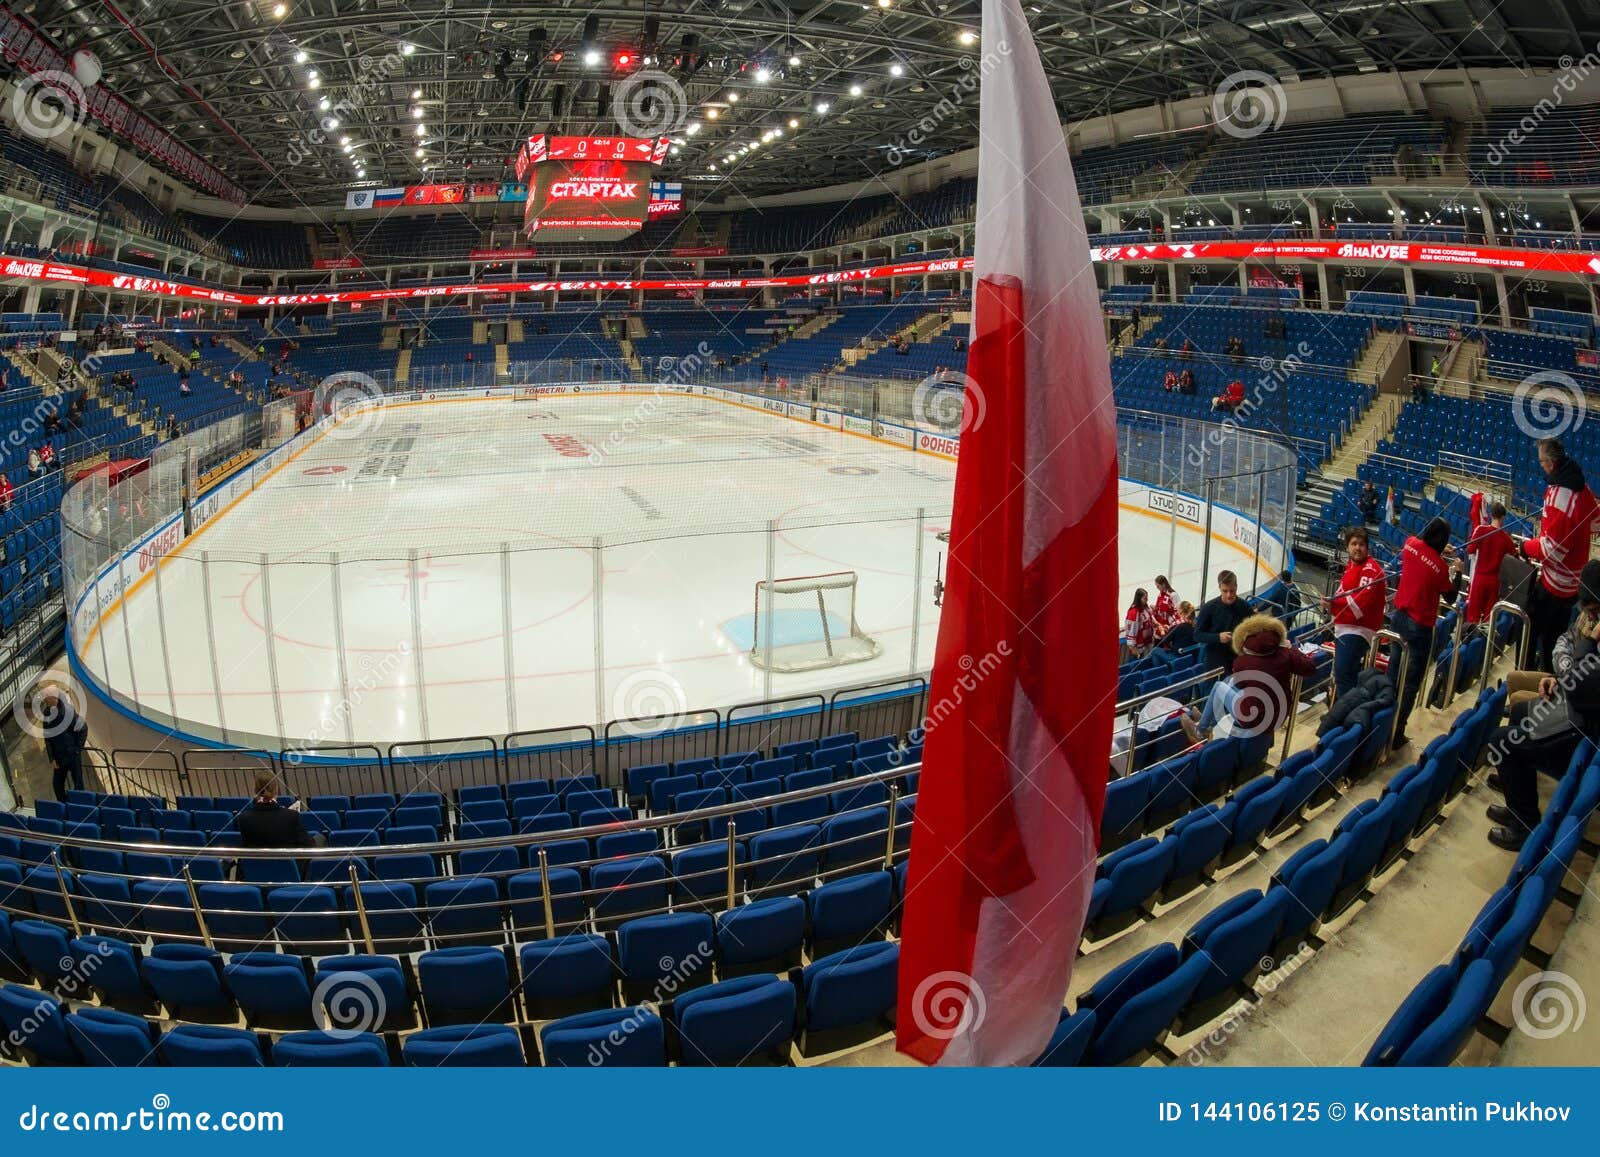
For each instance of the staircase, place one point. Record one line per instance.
(629, 358)
(391, 338)
(1462, 370)
(239, 348)
(480, 333)
(1379, 354)
(502, 363)
(1375, 425)
(514, 331)
(402, 366)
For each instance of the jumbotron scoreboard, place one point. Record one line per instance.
(588, 188)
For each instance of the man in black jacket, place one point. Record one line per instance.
(268, 824)
(1214, 626)
(65, 736)
(1544, 732)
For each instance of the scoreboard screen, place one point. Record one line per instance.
(588, 188)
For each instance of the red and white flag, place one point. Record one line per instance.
(1025, 671)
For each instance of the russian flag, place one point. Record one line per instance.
(387, 198)
(1025, 669)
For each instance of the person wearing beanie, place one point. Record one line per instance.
(1430, 573)
(1544, 731)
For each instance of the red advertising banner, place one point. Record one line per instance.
(503, 254)
(1542, 260)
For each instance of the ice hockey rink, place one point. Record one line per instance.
(475, 567)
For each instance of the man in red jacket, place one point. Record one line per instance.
(1561, 547)
(1430, 572)
(1487, 547)
(1357, 608)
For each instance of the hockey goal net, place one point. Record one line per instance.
(809, 622)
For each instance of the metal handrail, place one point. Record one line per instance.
(1510, 608)
(1399, 677)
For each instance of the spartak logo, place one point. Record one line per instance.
(594, 190)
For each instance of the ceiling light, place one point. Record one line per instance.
(300, 57)
(344, 140)
(422, 130)
(733, 98)
(712, 166)
(794, 122)
(416, 114)
(591, 57)
(419, 152)
(884, 3)
(324, 104)
(314, 82)
(674, 150)
(312, 74)
(691, 128)
(968, 36)
(855, 90)
(345, 146)
(896, 70)
(762, 76)
(712, 114)
(331, 123)
(822, 107)
(407, 48)
(279, 11)
(794, 62)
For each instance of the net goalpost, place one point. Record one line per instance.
(807, 623)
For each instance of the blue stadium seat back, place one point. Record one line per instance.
(858, 796)
(639, 778)
(232, 804)
(186, 976)
(256, 871)
(859, 838)
(831, 762)
(852, 908)
(725, 777)
(367, 990)
(761, 931)
(756, 789)
(1140, 1021)
(414, 866)
(37, 1021)
(328, 803)
(482, 811)
(384, 801)
(605, 1038)
(337, 871)
(852, 987)
(482, 793)
(164, 908)
(1122, 818)
(107, 1038)
(587, 782)
(465, 1046)
(1238, 935)
(665, 789)
(534, 806)
(463, 912)
(1215, 767)
(1137, 874)
(465, 984)
(1437, 1043)
(632, 843)
(695, 767)
(734, 1021)
(1069, 1042)
(701, 872)
(776, 767)
(561, 852)
(44, 948)
(107, 902)
(583, 800)
(150, 866)
(800, 780)
(600, 816)
(429, 816)
(393, 915)
(494, 864)
(627, 886)
(1199, 840)
(323, 1050)
(1317, 870)
(235, 915)
(525, 891)
(548, 822)
(113, 967)
(578, 966)
(787, 857)
(838, 739)
(268, 984)
(527, 789)
(1506, 947)
(669, 948)
(1417, 1011)
(205, 821)
(310, 920)
(812, 811)
(796, 749)
(483, 830)
(208, 1046)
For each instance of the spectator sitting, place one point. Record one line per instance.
(183, 385)
(1170, 382)
(1256, 696)
(1230, 399)
(1186, 381)
(1187, 349)
(47, 456)
(35, 466)
(172, 427)
(1368, 503)
(268, 824)
(6, 490)
(1180, 637)
(1159, 344)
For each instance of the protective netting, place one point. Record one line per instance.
(808, 623)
